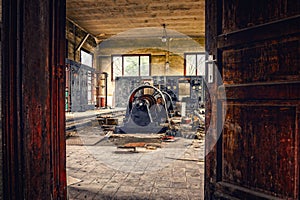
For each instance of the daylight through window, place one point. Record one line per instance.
(194, 64)
(130, 65)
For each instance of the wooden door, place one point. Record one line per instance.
(33, 80)
(256, 44)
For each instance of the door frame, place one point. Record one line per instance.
(33, 95)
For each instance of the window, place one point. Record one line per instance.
(194, 64)
(86, 58)
(89, 87)
(117, 66)
(130, 65)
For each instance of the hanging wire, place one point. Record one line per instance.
(164, 38)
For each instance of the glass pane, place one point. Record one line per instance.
(145, 65)
(200, 64)
(89, 85)
(117, 66)
(86, 58)
(131, 65)
(190, 65)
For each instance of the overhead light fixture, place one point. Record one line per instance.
(167, 65)
(164, 37)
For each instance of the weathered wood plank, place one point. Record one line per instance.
(34, 122)
(270, 91)
(244, 14)
(259, 148)
(271, 61)
(122, 139)
(271, 30)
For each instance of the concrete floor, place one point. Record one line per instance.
(99, 170)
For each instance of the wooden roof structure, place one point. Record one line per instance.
(106, 18)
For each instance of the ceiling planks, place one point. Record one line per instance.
(106, 18)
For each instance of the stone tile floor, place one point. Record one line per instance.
(99, 170)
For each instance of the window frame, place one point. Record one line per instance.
(122, 63)
(185, 63)
(88, 52)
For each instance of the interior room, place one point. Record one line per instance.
(135, 99)
(162, 99)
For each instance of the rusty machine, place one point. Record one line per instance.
(149, 110)
(157, 108)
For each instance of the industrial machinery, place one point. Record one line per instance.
(188, 90)
(158, 108)
(148, 111)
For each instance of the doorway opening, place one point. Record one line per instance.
(143, 137)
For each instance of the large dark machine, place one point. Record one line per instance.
(148, 111)
(162, 105)
(186, 89)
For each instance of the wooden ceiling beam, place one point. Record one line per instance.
(82, 42)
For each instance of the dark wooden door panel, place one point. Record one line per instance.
(33, 75)
(270, 61)
(257, 46)
(259, 148)
(239, 15)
